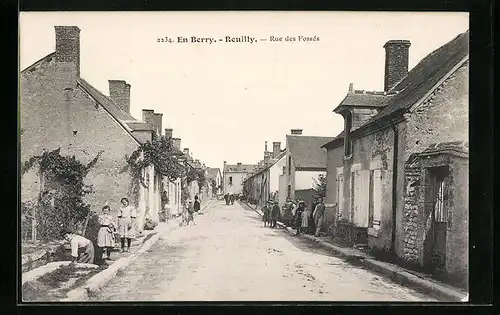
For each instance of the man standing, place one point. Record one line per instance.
(319, 215)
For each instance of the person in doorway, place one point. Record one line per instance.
(105, 235)
(190, 213)
(197, 205)
(319, 216)
(275, 213)
(82, 249)
(126, 224)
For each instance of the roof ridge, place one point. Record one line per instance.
(39, 61)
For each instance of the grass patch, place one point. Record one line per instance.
(54, 285)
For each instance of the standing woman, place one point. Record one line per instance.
(126, 222)
(306, 216)
(105, 236)
(196, 204)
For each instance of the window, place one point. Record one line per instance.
(289, 165)
(230, 180)
(439, 175)
(289, 194)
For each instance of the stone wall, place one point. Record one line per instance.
(411, 208)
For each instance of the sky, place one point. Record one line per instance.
(224, 100)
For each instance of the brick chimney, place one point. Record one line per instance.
(296, 132)
(68, 55)
(177, 143)
(276, 148)
(119, 92)
(157, 120)
(396, 62)
(147, 116)
(168, 133)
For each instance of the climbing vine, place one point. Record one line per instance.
(161, 154)
(61, 204)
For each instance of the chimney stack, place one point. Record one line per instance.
(168, 133)
(68, 55)
(396, 62)
(297, 132)
(351, 87)
(147, 116)
(186, 151)
(157, 120)
(276, 148)
(177, 143)
(119, 92)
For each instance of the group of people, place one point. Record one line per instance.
(82, 249)
(189, 210)
(270, 213)
(305, 219)
(230, 198)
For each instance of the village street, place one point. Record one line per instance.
(230, 256)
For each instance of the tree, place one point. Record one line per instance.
(320, 185)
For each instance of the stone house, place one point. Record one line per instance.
(305, 160)
(233, 176)
(400, 167)
(262, 183)
(59, 109)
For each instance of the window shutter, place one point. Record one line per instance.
(377, 197)
(361, 195)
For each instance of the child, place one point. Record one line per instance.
(105, 236)
(305, 220)
(126, 221)
(82, 249)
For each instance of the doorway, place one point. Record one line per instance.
(436, 214)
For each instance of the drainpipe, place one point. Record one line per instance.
(394, 185)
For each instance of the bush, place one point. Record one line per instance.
(149, 224)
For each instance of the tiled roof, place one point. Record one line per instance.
(242, 168)
(335, 140)
(105, 101)
(361, 98)
(424, 76)
(139, 125)
(213, 172)
(307, 151)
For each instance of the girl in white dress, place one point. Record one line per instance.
(126, 223)
(105, 236)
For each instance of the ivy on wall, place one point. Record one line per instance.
(64, 206)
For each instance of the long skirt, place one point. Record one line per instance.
(105, 237)
(86, 254)
(305, 221)
(318, 220)
(126, 228)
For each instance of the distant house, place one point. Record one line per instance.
(215, 175)
(59, 109)
(262, 184)
(305, 160)
(233, 176)
(400, 168)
